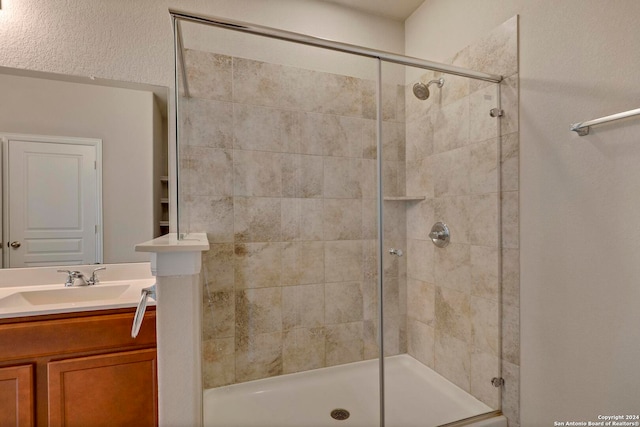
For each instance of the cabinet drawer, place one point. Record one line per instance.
(74, 335)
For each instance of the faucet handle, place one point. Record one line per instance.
(70, 277)
(93, 280)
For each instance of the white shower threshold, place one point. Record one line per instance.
(415, 396)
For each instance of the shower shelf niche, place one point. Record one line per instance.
(404, 198)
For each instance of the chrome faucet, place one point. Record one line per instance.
(72, 275)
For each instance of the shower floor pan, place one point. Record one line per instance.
(415, 396)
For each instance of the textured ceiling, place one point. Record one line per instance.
(394, 9)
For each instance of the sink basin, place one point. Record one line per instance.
(63, 295)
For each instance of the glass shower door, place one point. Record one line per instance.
(441, 210)
(277, 155)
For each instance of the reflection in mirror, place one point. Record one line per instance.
(126, 122)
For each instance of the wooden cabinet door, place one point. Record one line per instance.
(109, 390)
(16, 396)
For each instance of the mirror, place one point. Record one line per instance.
(129, 119)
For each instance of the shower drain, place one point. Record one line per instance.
(340, 414)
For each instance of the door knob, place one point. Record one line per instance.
(15, 245)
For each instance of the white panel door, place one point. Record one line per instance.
(53, 203)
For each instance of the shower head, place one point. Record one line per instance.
(421, 90)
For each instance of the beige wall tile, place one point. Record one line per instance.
(343, 261)
(338, 136)
(511, 277)
(453, 267)
(218, 362)
(455, 211)
(342, 219)
(258, 265)
(369, 219)
(455, 88)
(258, 356)
(484, 219)
(344, 343)
(510, 220)
(511, 334)
(485, 367)
(341, 178)
(453, 314)
(266, 129)
(213, 215)
(303, 350)
(481, 125)
(370, 338)
(370, 300)
(302, 176)
(302, 219)
(302, 263)
(451, 126)
(420, 218)
(420, 177)
(419, 137)
(497, 52)
(218, 267)
(393, 141)
(370, 259)
(389, 101)
(452, 172)
(483, 167)
(206, 171)
(509, 123)
(208, 75)
(484, 272)
(421, 301)
(303, 306)
(258, 311)
(343, 302)
(420, 260)
(257, 173)
(453, 360)
(208, 123)
(421, 342)
(511, 393)
(510, 162)
(395, 225)
(485, 325)
(218, 315)
(400, 104)
(257, 219)
(273, 85)
(342, 95)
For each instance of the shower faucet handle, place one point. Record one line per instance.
(397, 252)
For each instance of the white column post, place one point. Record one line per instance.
(176, 265)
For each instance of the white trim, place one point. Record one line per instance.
(4, 181)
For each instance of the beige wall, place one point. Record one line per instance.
(123, 119)
(132, 41)
(579, 290)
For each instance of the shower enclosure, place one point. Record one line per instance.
(351, 199)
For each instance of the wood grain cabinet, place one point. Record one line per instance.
(16, 396)
(80, 370)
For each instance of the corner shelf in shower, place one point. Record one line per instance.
(404, 198)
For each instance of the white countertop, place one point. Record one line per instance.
(39, 291)
(21, 301)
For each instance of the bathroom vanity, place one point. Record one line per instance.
(78, 369)
(68, 361)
